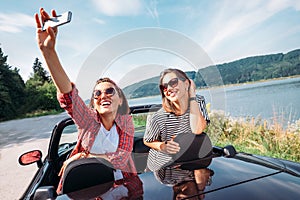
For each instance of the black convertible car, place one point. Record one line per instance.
(233, 175)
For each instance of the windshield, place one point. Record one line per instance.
(68, 136)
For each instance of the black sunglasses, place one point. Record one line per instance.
(173, 83)
(109, 92)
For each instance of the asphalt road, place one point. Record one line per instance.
(18, 137)
(24, 130)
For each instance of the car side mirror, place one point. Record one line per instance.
(31, 157)
(229, 151)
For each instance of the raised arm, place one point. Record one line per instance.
(46, 41)
(197, 120)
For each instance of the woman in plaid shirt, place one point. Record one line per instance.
(105, 128)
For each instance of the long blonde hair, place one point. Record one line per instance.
(167, 104)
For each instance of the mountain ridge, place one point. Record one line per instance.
(249, 69)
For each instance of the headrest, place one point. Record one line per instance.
(87, 172)
(195, 151)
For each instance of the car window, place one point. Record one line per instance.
(69, 135)
(140, 121)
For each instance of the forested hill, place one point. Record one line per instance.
(240, 71)
(261, 67)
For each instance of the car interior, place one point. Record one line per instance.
(81, 174)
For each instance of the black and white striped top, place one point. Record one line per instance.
(162, 126)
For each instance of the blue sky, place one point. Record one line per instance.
(225, 30)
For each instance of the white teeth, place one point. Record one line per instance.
(105, 103)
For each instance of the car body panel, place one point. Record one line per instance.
(231, 183)
(277, 186)
(241, 176)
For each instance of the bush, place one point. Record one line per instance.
(256, 136)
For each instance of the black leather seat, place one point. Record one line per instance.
(196, 151)
(140, 155)
(87, 172)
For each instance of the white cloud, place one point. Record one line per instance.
(99, 21)
(282, 4)
(297, 5)
(118, 7)
(15, 22)
(152, 9)
(234, 18)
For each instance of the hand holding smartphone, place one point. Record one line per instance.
(58, 20)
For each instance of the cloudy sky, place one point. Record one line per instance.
(223, 30)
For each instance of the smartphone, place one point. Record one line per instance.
(57, 21)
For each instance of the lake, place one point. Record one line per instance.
(279, 98)
(270, 100)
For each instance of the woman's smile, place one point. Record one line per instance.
(171, 93)
(105, 103)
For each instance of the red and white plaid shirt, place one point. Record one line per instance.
(88, 123)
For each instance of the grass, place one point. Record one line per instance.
(39, 113)
(250, 135)
(256, 136)
(140, 120)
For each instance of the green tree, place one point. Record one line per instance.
(40, 90)
(12, 90)
(39, 76)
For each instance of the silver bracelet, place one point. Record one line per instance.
(192, 99)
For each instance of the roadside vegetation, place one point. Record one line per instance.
(251, 135)
(19, 99)
(39, 113)
(256, 136)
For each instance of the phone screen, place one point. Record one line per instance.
(59, 20)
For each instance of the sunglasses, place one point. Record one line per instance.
(173, 83)
(109, 92)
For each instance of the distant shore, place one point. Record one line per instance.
(251, 82)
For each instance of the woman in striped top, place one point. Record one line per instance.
(183, 115)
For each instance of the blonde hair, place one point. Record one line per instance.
(167, 104)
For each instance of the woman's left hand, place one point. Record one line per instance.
(192, 90)
(170, 147)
